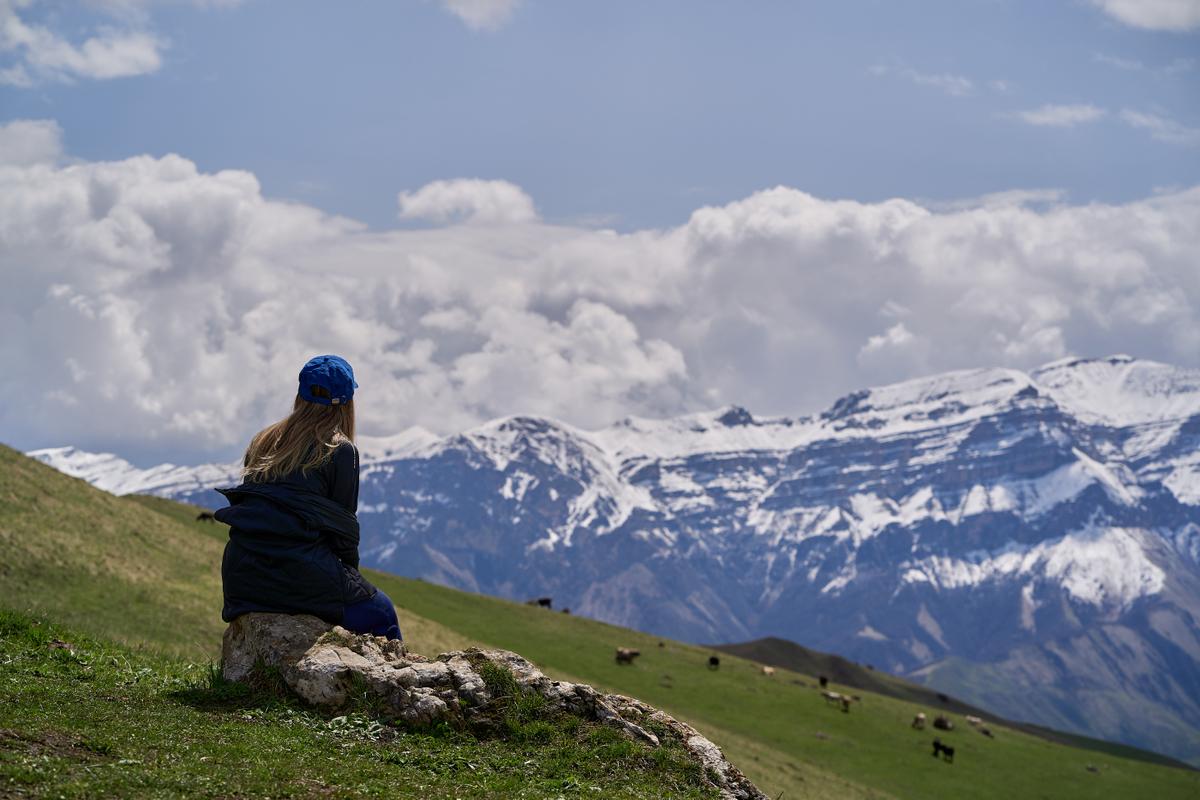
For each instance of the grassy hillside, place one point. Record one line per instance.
(138, 570)
(83, 718)
(143, 572)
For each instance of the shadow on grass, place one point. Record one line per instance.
(265, 689)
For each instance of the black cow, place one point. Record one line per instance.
(946, 750)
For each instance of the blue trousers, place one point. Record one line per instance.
(376, 616)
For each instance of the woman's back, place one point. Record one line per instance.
(336, 479)
(293, 541)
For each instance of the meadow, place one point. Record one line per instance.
(133, 583)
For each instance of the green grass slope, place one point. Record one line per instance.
(108, 565)
(143, 572)
(138, 570)
(83, 718)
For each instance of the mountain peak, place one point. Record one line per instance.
(1121, 390)
(408, 442)
(735, 416)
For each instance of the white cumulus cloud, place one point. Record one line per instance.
(26, 142)
(163, 312)
(36, 53)
(468, 200)
(1158, 15)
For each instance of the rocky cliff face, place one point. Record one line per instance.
(1042, 530)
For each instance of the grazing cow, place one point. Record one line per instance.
(566, 611)
(545, 602)
(713, 662)
(626, 655)
(946, 750)
(823, 681)
(986, 731)
(975, 721)
(837, 699)
(205, 516)
(919, 721)
(662, 644)
(943, 724)
(768, 671)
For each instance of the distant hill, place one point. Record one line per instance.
(777, 652)
(143, 571)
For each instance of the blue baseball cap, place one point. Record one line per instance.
(331, 373)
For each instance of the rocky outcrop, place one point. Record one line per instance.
(331, 667)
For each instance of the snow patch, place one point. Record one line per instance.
(1101, 566)
(1029, 607)
(1120, 390)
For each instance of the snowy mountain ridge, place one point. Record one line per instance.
(1118, 390)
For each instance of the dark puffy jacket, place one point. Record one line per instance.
(291, 549)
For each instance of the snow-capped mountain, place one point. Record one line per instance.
(1041, 530)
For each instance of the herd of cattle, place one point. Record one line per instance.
(626, 655)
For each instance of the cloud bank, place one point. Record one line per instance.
(164, 312)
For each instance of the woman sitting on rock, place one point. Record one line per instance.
(293, 533)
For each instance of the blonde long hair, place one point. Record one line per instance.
(304, 440)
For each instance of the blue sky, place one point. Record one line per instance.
(581, 209)
(635, 113)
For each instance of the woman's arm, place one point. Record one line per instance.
(344, 486)
(343, 489)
